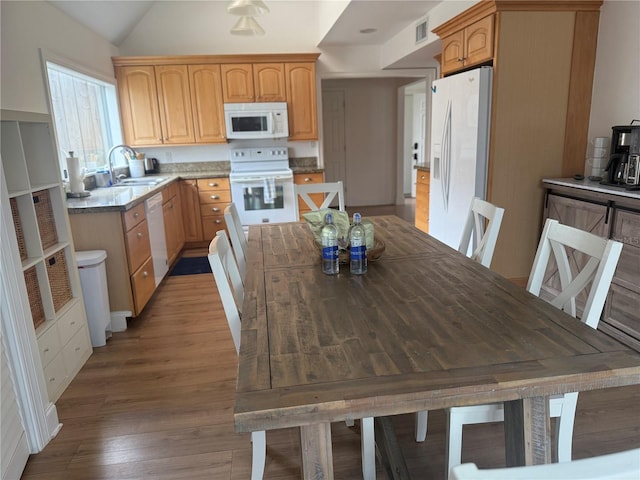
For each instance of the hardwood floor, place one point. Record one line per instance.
(157, 403)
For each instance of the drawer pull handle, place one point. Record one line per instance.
(77, 349)
(140, 235)
(136, 215)
(46, 350)
(308, 179)
(52, 379)
(145, 274)
(215, 197)
(215, 209)
(218, 222)
(213, 184)
(73, 323)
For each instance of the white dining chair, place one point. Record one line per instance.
(558, 242)
(227, 278)
(614, 466)
(329, 189)
(483, 225)
(237, 237)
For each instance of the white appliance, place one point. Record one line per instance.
(262, 185)
(256, 120)
(460, 118)
(155, 223)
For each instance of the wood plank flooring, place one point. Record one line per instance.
(156, 403)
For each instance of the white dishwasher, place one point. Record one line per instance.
(155, 222)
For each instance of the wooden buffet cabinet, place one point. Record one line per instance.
(543, 56)
(179, 100)
(609, 213)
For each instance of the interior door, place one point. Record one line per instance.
(334, 146)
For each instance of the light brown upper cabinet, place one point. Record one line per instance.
(137, 93)
(206, 101)
(300, 80)
(470, 46)
(174, 100)
(268, 80)
(237, 83)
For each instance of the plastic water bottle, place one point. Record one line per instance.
(330, 261)
(358, 247)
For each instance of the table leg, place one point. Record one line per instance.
(527, 431)
(317, 456)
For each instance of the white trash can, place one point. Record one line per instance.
(93, 280)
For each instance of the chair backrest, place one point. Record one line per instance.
(485, 238)
(614, 466)
(596, 274)
(237, 237)
(227, 278)
(330, 189)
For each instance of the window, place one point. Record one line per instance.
(85, 116)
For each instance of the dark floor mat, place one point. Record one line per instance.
(191, 266)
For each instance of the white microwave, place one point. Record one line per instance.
(256, 120)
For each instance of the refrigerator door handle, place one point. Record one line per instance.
(446, 158)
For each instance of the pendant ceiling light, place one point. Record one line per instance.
(247, 26)
(247, 8)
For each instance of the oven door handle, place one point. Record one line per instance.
(260, 180)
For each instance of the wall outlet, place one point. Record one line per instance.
(168, 157)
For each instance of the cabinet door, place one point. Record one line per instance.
(170, 230)
(237, 83)
(452, 52)
(586, 216)
(301, 98)
(191, 220)
(478, 42)
(206, 101)
(138, 99)
(175, 104)
(268, 79)
(422, 201)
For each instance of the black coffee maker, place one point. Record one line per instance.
(625, 148)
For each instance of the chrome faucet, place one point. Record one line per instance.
(115, 179)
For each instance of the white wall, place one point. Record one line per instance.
(616, 86)
(28, 26)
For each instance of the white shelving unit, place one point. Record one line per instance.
(46, 247)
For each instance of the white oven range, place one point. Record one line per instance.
(262, 185)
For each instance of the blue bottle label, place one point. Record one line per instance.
(359, 252)
(330, 253)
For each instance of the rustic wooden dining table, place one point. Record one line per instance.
(426, 328)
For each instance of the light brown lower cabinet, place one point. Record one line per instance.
(422, 200)
(305, 179)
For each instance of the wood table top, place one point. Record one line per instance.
(425, 328)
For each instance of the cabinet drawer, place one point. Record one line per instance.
(76, 352)
(70, 323)
(305, 178)
(218, 196)
(133, 217)
(144, 284)
(213, 183)
(211, 224)
(138, 246)
(55, 376)
(209, 209)
(48, 345)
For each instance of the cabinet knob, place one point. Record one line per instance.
(46, 350)
(213, 184)
(422, 177)
(215, 197)
(140, 235)
(218, 222)
(73, 323)
(136, 215)
(308, 179)
(215, 209)
(145, 274)
(77, 349)
(52, 379)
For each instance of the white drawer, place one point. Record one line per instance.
(48, 345)
(55, 376)
(77, 351)
(71, 322)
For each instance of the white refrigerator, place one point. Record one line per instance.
(460, 117)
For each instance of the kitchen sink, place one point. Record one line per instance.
(132, 182)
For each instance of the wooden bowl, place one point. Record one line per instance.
(373, 254)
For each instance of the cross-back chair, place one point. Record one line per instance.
(558, 242)
(227, 278)
(485, 237)
(237, 237)
(329, 189)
